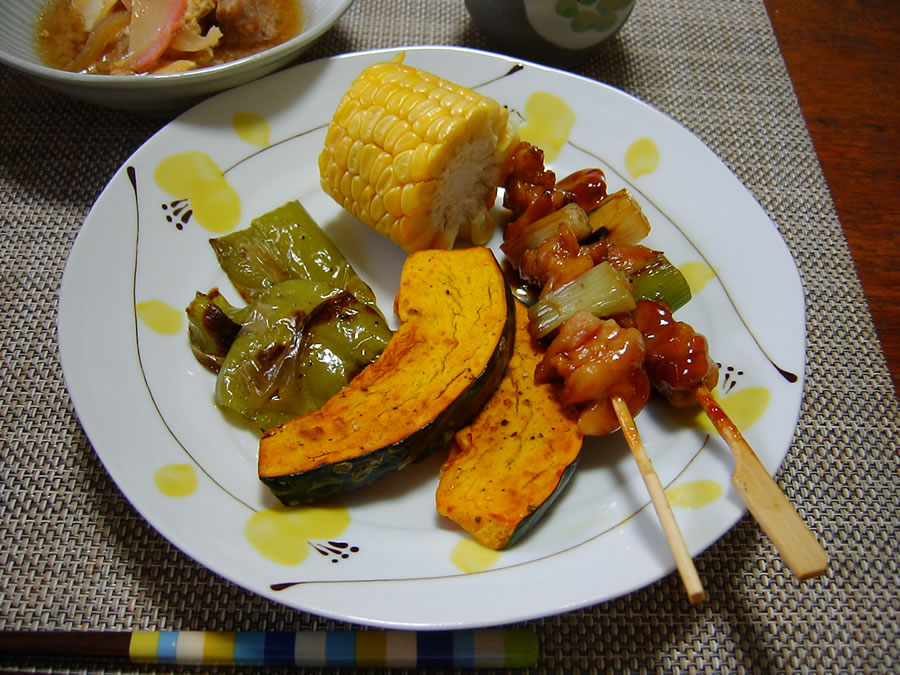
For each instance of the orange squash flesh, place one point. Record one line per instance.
(439, 368)
(507, 467)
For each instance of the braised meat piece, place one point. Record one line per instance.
(678, 359)
(596, 359)
(248, 19)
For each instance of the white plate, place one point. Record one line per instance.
(146, 404)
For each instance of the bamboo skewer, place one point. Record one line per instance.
(683, 560)
(794, 541)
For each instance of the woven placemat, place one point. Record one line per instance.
(76, 555)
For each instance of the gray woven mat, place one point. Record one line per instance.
(77, 555)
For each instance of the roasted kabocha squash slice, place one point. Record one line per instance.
(510, 464)
(438, 370)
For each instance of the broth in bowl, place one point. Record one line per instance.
(122, 37)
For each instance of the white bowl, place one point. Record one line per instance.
(153, 93)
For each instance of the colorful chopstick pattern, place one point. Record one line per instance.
(500, 647)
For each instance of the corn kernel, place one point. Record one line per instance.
(386, 181)
(354, 155)
(415, 198)
(395, 134)
(379, 167)
(383, 127)
(342, 151)
(420, 164)
(410, 103)
(407, 141)
(391, 201)
(376, 207)
(347, 109)
(403, 165)
(395, 101)
(356, 187)
(370, 119)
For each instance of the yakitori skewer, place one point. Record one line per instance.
(794, 541)
(683, 560)
(600, 366)
(552, 246)
(681, 369)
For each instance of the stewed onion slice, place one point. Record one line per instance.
(98, 39)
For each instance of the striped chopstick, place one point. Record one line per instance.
(487, 648)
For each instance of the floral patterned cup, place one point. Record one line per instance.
(556, 31)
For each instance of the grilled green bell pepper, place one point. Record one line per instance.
(310, 325)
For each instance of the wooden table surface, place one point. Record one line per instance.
(844, 60)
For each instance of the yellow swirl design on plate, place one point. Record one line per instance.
(642, 157)
(160, 317)
(176, 480)
(251, 128)
(470, 555)
(549, 122)
(196, 177)
(694, 494)
(281, 533)
(744, 407)
(697, 274)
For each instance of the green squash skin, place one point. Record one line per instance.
(532, 518)
(330, 479)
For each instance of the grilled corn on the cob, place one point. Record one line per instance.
(416, 157)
